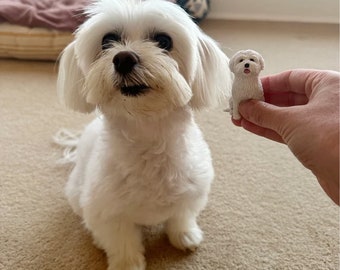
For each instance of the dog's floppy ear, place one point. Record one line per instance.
(212, 81)
(70, 82)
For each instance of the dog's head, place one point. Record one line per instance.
(246, 63)
(137, 57)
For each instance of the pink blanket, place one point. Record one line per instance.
(57, 14)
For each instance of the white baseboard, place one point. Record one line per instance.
(316, 11)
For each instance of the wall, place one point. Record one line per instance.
(325, 11)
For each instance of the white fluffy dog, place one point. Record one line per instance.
(246, 65)
(145, 65)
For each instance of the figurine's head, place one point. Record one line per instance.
(246, 63)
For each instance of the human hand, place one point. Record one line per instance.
(301, 109)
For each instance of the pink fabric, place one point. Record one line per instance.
(56, 14)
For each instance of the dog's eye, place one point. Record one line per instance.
(251, 59)
(164, 41)
(241, 60)
(108, 39)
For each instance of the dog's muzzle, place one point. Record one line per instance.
(134, 90)
(246, 68)
(124, 63)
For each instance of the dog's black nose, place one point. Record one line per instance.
(125, 61)
(246, 65)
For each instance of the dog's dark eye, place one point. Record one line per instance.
(108, 39)
(241, 60)
(164, 41)
(251, 59)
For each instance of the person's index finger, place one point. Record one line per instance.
(297, 81)
(284, 99)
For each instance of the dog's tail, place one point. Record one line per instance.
(69, 141)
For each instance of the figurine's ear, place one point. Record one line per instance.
(261, 62)
(231, 64)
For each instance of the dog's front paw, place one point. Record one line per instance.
(133, 262)
(188, 239)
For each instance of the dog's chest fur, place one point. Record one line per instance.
(247, 87)
(151, 172)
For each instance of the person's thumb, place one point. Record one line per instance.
(263, 114)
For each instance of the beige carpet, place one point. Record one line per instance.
(265, 211)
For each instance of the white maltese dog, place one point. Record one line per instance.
(145, 66)
(246, 65)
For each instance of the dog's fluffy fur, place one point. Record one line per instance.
(144, 161)
(246, 65)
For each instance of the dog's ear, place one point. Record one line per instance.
(70, 82)
(212, 81)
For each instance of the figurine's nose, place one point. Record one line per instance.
(246, 65)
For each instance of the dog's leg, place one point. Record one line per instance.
(183, 231)
(122, 242)
(231, 106)
(236, 114)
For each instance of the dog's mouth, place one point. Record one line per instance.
(133, 90)
(246, 71)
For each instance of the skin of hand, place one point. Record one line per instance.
(301, 109)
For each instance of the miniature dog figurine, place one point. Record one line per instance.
(145, 66)
(246, 65)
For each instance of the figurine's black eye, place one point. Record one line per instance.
(164, 41)
(108, 39)
(241, 60)
(251, 59)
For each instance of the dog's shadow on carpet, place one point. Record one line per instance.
(64, 234)
(159, 253)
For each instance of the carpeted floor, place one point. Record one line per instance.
(266, 211)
